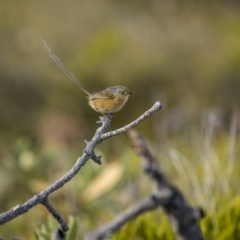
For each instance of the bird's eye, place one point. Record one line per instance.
(123, 92)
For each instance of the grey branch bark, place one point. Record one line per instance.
(156, 107)
(88, 153)
(184, 219)
(56, 215)
(105, 231)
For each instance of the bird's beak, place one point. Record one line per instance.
(130, 92)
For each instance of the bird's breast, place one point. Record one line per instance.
(108, 105)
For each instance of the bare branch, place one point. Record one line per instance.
(150, 165)
(105, 231)
(182, 217)
(156, 107)
(58, 235)
(56, 215)
(88, 153)
(41, 197)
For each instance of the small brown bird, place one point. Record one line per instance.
(108, 101)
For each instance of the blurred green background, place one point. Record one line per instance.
(184, 53)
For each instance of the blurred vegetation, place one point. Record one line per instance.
(184, 53)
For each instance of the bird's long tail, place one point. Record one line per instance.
(60, 64)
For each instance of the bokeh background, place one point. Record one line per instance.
(184, 53)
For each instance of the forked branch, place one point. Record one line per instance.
(183, 218)
(88, 153)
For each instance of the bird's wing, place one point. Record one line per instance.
(101, 95)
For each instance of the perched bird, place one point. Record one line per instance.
(107, 101)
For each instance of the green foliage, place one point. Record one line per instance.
(148, 226)
(73, 229)
(45, 231)
(225, 223)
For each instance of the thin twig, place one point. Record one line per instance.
(156, 107)
(58, 235)
(56, 215)
(105, 231)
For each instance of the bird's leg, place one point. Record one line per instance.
(108, 116)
